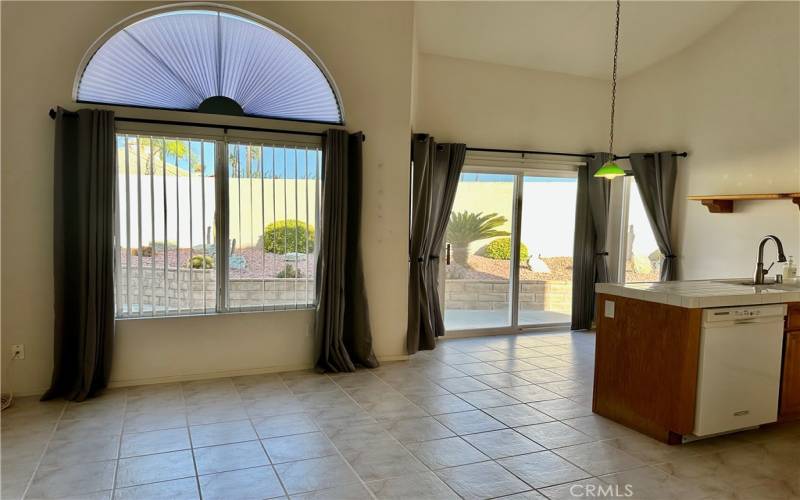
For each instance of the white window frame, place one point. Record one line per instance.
(619, 217)
(221, 140)
(616, 240)
(518, 166)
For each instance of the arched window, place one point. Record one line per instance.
(210, 59)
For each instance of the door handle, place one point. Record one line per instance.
(447, 254)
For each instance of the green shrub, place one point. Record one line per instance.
(198, 262)
(500, 249)
(289, 236)
(289, 271)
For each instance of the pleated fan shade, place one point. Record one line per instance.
(179, 59)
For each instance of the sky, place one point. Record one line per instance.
(277, 162)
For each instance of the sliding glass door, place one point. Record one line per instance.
(477, 285)
(547, 232)
(509, 250)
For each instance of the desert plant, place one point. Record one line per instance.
(466, 227)
(200, 262)
(289, 271)
(289, 236)
(145, 251)
(500, 249)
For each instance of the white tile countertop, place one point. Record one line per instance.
(705, 293)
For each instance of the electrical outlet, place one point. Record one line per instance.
(18, 351)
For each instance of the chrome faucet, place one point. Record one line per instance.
(760, 272)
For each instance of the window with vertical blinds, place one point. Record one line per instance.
(206, 225)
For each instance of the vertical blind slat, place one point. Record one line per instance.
(127, 227)
(140, 305)
(177, 229)
(152, 230)
(166, 219)
(191, 234)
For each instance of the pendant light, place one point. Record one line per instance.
(610, 170)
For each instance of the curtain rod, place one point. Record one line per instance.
(52, 114)
(628, 157)
(520, 151)
(553, 153)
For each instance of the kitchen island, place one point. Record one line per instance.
(648, 350)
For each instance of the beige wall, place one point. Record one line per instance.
(495, 106)
(731, 101)
(368, 49)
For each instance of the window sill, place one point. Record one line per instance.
(308, 307)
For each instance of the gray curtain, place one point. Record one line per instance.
(590, 257)
(436, 169)
(343, 333)
(655, 177)
(83, 253)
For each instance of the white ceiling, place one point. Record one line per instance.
(566, 37)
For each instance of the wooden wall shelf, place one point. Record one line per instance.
(723, 203)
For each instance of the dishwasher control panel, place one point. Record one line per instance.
(738, 313)
(741, 313)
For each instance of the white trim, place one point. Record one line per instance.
(534, 168)
(617, 228)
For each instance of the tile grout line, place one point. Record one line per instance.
(119, 445)
(44, 451)
(456, 435)
(261, 441)
(361, 479)
(191, 443)
(539, 444)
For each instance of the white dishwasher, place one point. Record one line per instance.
(738, 378)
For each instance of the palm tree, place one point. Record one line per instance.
(466, 227)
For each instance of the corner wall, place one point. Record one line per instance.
(368, 49)
(732, 100)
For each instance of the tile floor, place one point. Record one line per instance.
(476, 418)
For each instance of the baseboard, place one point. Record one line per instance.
(228, 373)
(207, 375)
(397, 357)
(114, 384)
(466, 334)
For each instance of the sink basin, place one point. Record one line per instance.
(769, 285)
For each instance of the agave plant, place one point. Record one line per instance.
(466, 227)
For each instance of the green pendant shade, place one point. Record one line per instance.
(609, 170)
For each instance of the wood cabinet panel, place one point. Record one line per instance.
(793, 316)
(790, 383)
(646, 360)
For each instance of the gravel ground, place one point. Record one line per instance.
(257, 263)
(483, 268)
